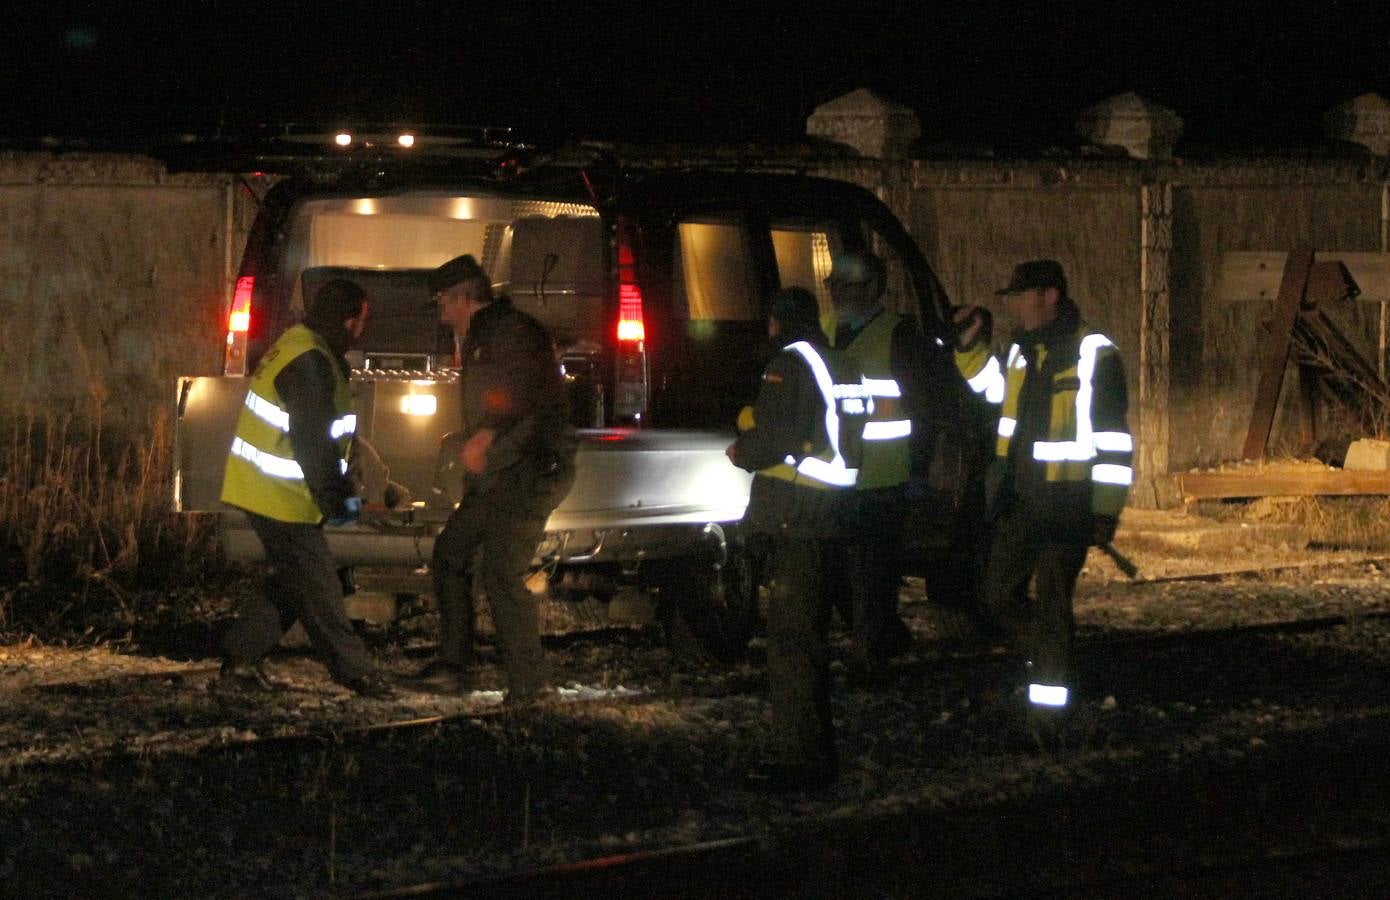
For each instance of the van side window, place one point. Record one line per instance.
(716, 278)
(803, 259)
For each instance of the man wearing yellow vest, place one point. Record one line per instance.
(802, 441)
(287, 470)
(891, 353)
(1061, 471)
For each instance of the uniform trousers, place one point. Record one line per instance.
(873, 566)
(506, 521)
(798, 654)
(304, 586)
(1039, 625)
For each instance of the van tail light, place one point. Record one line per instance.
(630, 398)
(630, 327)
(238, 324)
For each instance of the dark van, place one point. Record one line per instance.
(653, 281)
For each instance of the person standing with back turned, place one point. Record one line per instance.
(1061, 471)
(803, 442)
(287, 469)
(518, 460)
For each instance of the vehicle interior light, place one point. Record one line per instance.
(418, 404)
(406, 140)
(342, 139)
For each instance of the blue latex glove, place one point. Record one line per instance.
(352, 507)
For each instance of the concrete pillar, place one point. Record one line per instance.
(1140, 127)
(1153, 488)
(872, 126)
(1364, 120)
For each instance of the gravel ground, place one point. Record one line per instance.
(123, 775)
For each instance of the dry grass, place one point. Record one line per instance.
(1344, 523)
(86, 522)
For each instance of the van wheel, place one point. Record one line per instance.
(709, 613)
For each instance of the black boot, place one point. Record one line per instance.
(245, 677)
(440, 677)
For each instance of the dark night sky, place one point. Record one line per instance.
(983, 73)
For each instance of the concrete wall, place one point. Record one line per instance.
(114, 278)
(115, 275)
(1142, 243)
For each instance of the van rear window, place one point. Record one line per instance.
(717, 278)
(803, 260)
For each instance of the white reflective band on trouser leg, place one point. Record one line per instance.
(887, 431)
(269, 463)
(1047, 694)
(1109, 473)
(1007, 426)
(1114, 441)
(267, 412)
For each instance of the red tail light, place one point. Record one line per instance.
(632, 390)
(238, 324)
(630, 326)
(240, 319)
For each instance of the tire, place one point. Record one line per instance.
(708, 611)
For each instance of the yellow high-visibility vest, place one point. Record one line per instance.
(262, 474)
(886, 434)
(846, 405)
(1075, 451)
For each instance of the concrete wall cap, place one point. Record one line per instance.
(1142, 128)
(1363, 120)
(873, 126)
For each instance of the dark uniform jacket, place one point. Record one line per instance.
(512, 384)
(1018, 482)
(789, 420)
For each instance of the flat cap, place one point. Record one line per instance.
(460, 268)
(1035, 275)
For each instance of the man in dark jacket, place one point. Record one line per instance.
(1061, 471)
(518, 460)
(802, 439)
(286, 470)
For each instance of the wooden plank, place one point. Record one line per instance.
(1275, 355)
(1266, 483)
(1250, 276)
(1371, 271)
(1247, 276)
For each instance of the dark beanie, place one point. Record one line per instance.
(458, 269)
(337, 301)
(797, 311)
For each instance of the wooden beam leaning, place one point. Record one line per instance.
(1275, 356)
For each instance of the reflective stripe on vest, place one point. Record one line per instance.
(1102, 457)
(886, 460)
(279, 418)
(832, 471)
